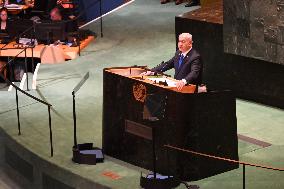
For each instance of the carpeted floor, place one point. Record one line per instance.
(141, 33)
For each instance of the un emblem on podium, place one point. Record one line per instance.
(139, 92)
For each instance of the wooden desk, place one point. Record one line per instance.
(202, 122)
(212, 13)
(73, 52)
(11, 50)
(69, 52)
(17, 10)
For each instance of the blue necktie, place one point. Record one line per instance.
(180, 61)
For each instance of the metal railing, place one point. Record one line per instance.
(38, 100)
(75, 90)
(23, 50)
(244, 164)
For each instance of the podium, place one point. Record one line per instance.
(201, 122)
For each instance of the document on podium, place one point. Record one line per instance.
(170, 82)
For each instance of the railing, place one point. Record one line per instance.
(29, 95)
(225, 159)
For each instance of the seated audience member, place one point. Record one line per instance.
(4, 20)
(30, 3)
(65, 12)
(3, 32)
(58, 14)
(71, 26)
(5, 26)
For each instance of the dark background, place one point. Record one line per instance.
(250, 78)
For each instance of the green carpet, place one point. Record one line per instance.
(139, 34)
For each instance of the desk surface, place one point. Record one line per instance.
(16, 10)
(11, 50)
(213, 13)
(133, 73)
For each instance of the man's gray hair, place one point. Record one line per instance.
(186, 35)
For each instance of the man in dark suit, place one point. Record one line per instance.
(186, 62)
(46, 5)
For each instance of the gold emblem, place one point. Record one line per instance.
(139, 92)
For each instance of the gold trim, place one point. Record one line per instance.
(139, 92)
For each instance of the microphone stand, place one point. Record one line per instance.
(159, 72)
(101, 19)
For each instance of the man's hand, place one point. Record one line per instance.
(147, 73)
(180, 84)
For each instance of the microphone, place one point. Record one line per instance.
(165, 64)
(161, 70)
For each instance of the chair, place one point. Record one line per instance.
(42, 8)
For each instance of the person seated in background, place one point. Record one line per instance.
(30, 3)
(56, 14)
(4, 20)
(4, 33)
(176, 1)
(6, 25)
(60, 13)
(192, 3)
(186, 62)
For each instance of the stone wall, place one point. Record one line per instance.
(255, 28)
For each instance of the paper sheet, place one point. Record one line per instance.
(170, 82)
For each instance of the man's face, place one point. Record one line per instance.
(184, 43)
(55, 15)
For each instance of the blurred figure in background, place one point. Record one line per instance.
(4, 20)
(3, 32)
(192, 3)
(176, 1)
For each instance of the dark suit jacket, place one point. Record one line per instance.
(5, 34)
(44, 5)
(190, 70)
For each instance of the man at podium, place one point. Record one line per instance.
(186, 62)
